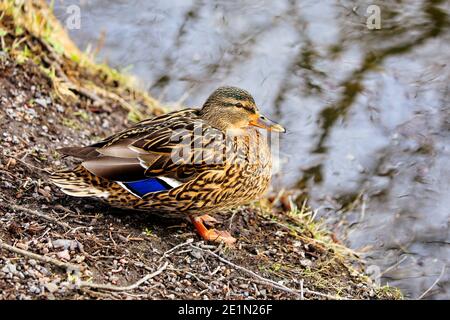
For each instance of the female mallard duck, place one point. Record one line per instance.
(192, 162)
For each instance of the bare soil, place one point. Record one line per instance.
(119, 247)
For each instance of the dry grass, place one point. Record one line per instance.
(30, 32)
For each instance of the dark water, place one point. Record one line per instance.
(368, 111)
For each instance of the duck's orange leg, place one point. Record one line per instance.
(211, 234)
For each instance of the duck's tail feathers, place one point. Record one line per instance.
(79, 152)
(79, 182)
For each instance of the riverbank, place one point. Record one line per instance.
(56, 246)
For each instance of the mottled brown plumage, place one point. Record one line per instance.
(209, 159)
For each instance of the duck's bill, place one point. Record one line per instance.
(262, 122)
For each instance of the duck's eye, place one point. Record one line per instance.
(239, 105)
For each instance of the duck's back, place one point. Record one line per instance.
(172, 163)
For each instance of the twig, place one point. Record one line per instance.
(85, 284)
(112, 239)
(266, 281)
(302, 290)
(35, 256)
(203, 283)
(8, 173)
(395, 265)
(38, 214)
(231, 220)
(30, 165)
(434, 283)
(188, 241)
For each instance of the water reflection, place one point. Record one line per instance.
(367, 110)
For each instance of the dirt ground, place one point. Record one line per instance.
(53, 246)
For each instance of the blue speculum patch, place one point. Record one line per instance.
(142, 187)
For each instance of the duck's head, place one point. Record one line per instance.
(230, 108)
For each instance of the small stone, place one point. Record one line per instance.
(306, 263)
(296, 244)
(64, 255)
(59, 108)
(42, 102)
(51, 287)
(65, 244)
(44, 193)
(79, 259)
(8, 185)
(34, 289)
(114, 279)
(196, 254)
(44, 271)
(9, 268)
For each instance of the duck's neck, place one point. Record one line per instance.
(212, 119)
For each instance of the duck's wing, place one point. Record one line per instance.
(177, 145)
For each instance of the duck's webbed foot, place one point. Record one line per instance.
(211, 234)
